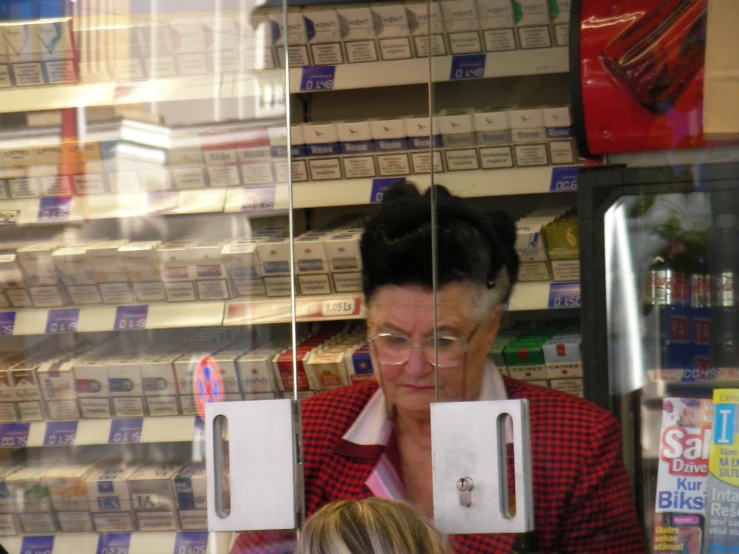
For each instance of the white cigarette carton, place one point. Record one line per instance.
(558, 123)
(360, 40)
(107, 488)
(391, 140)
(56, 379)
(256, 42)
(26, 392)
(427, 28)
(24, 53)
(322, 140)
(190, 486)
(11, 275)
(528, 126)
(310, 256)
(324, 35)
(457, 130)
(342, 250)
(105, 261)
(226, 361)
(176, 260)
(68, 493)
(420, 139)
(296, 37)
(493, 128)
(462, 24)
(562, 356)
(357, 145)
(152, 496)
(91, 384)
(124, 383)
(72, 264)
(159, 384)
(496, 22)
(393, 31)
(274, 256)
(28, 490)
(255, 370)
(242, 263)
(188, 39)
(38, 264)
(139, 261)
(532, 19)
(211, 277)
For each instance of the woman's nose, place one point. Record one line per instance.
(417, 365)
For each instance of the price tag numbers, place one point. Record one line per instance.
(379, 186)
(60, 433)
(338, 308)
(317, 78)
(258, 199)
(468, 66)
(7, 323)
(125, 431)
(114, 543)
(37, 545)
(54, 209)
(130, 318)
(14, 435)
(564, 295)
(62, 321)
(191, 542)
(564, 179)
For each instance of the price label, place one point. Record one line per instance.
(7, 322)
(125, 431)
(191, 542)
(258, 199)
(60, 433)
(163, 201)
(130, 318)
(9, 217)
(337, 308)
(564, 179)
(379, 186)
(37, 545)
(54, 209)
(14, 435)
(317, 78)
(114, 543)
(62, 321)
(564, 295)
(468, 66)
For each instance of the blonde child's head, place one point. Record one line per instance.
(369, 526)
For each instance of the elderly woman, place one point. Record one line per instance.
(373, 439)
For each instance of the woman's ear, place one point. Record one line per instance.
(494, 325)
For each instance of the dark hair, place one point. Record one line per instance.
(472, 245)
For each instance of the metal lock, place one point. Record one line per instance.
(465, 486)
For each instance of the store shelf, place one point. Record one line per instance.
(98, 431)
(139, 543)
(544, 296)
(248, 84)
(160, 315)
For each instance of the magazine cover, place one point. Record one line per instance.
(683, 471)
(722, 508)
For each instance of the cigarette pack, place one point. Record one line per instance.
(562, 356)
(295, 35)
(105, 261)
(257, 44)
(124, 384)
(191, 494)
(462, 23)
(325, 41)
(426, 22)
(532, 19)
(159, 384)
(38, 264)
(107, 488)
(11, 275)
(56, 379)
(360, 35)
(153, 497)
(496, 22)
(393, 31)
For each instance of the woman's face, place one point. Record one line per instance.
(408, 311)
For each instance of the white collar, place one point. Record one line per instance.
(373, 427)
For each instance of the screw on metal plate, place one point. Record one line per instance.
(465, 486)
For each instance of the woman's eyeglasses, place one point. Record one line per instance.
(395, 349)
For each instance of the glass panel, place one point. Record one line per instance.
(144, 166)
(670, 267)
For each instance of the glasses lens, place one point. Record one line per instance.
(392, 349)
(451, 351)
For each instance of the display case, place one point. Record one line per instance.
(183, 191)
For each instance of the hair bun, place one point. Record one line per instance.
(441, 192)
(399, 189)
(504, 226)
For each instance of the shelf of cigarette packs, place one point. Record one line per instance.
(542, 353)
(173, 56)
(165, 501)
(118, 543)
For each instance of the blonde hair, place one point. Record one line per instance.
(369, 526)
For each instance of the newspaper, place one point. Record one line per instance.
(722, 509)
(681, 482)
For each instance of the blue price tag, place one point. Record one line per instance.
(60, 433)
(468, 66)
(163, 201)
(564, 295)
(258, 199)
(14, 435)
(379, 186)
(127, 430)
(37, 545)
(317, 78)
(130, 318)
(54, 209)
(564, 179)
(191, 542)
(114, 543)
(7, 322)
(62, 321)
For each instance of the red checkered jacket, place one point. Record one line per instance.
(582, 497)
